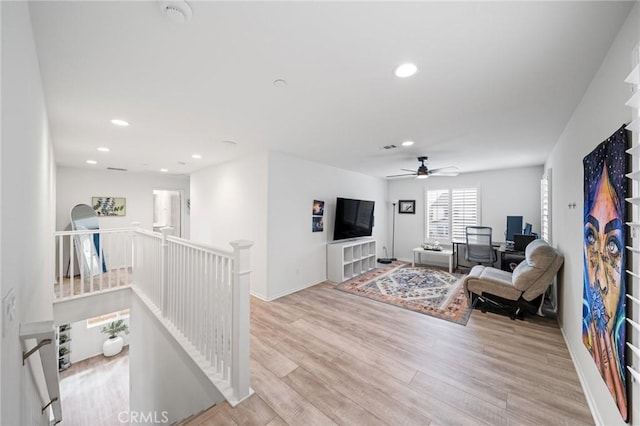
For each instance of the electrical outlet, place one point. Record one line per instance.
(8, 310)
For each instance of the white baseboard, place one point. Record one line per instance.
(285, 293)
(597, 418)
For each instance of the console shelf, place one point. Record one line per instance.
(350, 258)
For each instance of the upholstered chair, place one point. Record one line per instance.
(523, 288)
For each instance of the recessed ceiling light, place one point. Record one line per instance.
(164, 170)
(103, 149)
(407, 143)
(118, 122)
(280, 82)
(196, 156)
(92, 162)
(406, 70)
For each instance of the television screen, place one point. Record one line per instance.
(354, 218)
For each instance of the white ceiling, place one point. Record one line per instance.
(496, 84)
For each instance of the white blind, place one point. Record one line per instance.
(464, 208)
(449, 211)
(437, 215)
(545, 206)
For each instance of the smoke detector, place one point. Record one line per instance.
(177, 11)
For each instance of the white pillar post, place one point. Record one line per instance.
(240, 320)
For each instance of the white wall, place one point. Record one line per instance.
(77, 186)
(27, 190)
(87, 341)
(297, 257)
(162, 377)
(229, 202)
(508, 192)
(599, 114)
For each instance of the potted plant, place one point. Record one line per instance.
(114, 343)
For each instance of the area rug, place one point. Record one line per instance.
(432, 292)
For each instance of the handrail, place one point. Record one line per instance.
(93, 231)
(45, 346)
(199, 246)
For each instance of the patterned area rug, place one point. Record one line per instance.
(429, 291)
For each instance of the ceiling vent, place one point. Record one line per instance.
(177, 11)
(388, 147)
(116, 169)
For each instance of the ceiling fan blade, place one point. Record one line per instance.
(407, 170)
(444, 174)
(452, 168)
(406, 174)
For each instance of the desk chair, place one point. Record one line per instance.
(479, 247)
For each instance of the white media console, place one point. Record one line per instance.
(349, 258)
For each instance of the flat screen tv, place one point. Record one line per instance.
(354, 218)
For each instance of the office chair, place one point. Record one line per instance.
(479, 247)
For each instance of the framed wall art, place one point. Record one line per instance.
(407, 206)
(109, 206)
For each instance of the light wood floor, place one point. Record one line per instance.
(322, 357)
(94, 391)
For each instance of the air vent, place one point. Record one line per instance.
(116, 169)
(388, 147)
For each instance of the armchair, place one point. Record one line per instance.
(517, 292)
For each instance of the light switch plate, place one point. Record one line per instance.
(8, 310)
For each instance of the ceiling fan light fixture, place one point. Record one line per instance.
(423, 176)
(177, 11)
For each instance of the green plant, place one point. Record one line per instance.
(114, 328)
(63, 351)
(64, 338)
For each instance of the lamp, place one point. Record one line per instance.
(386, 260)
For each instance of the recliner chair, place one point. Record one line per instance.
(519, 291)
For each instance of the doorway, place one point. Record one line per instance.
(167, 210)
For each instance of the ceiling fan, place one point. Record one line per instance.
(423, 172)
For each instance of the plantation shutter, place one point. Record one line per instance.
(437, 215)
(464, 211)
(545, 207)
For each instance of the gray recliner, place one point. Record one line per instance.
(523, 288)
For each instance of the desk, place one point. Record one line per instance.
(420, 251)
(509, 254)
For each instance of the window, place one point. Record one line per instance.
(107, 318)
(437, 214)
(449, 211)
(545, 207)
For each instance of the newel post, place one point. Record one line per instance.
(240, 320)
(164, 270)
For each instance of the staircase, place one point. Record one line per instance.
(198, 293)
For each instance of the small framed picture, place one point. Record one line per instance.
(318, 224)
(407, 206)
(318, 208)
